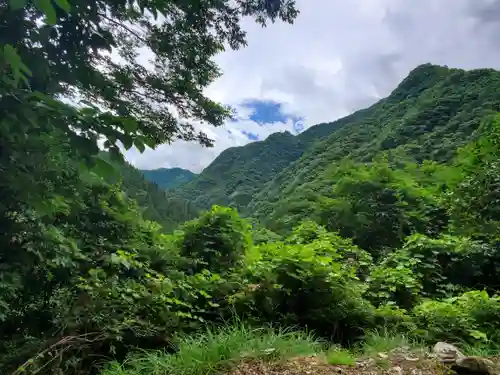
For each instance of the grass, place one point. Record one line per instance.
(217, 350)
(340, 356)
(480, 350)
(382, 341)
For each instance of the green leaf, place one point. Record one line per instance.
(46, 7)
(17, 4)
(140, 145)
(103, 168)
(129, 124)
(64, 4)
(11, 56)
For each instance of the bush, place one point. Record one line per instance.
(428, 267)
(471, 317)
(216, 241)
(305, 285)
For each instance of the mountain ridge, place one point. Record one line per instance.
(168, 178)
(431, 112)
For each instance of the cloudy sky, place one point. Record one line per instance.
(339, 56)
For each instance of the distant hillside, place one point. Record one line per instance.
(238, 173)
(429, 115)
(158, 205)
(168, 178)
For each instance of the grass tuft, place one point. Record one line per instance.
(481, 350)
(340, 356)
(217, 350)
(381, 341)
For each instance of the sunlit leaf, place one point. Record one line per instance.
(46, 7)
(64, 4)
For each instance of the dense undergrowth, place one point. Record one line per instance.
(88, 285)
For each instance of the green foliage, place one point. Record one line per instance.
(378, 206)
(471, 317)
(60, 50)
(168, 178)
(239, 172)
(211, 351)
(339, 356)
(82, 275)
(216, 241)
(165, 208)
(306, 285)
(474, 195)
(428, 116)
(385, 341)
(86, 278)
(427, 267)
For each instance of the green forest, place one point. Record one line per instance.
(381, 228)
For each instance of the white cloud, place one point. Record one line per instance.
(338, 56)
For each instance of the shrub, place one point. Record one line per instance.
(306, 285)
(216, 241)
(428, 267)
(471, 317)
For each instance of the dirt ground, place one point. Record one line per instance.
(317, 365)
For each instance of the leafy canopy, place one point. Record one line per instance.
(92, 52)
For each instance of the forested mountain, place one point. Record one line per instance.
(429, 115)
(238, 173)
(155, 203)
(432, 112)
(167, 178)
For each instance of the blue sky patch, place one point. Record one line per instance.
(267, 111)
(251, 136)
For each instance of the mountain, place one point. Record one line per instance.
(429, 114)
(167, 209)
(239, 173)
(168, 178)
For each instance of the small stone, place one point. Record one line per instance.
(411, 359)
(383, 355)
(396, 370)
(447, 353)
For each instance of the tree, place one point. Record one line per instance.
(88, 51)
(216, 241)
(378, 205)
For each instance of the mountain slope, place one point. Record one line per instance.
(168, 178)
(431, 113)
(167, 209)
(238, 173)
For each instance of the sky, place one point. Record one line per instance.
(338, 56)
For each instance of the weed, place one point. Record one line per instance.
(339, 356)
(382, 341)
(216, 350)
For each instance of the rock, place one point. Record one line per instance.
(370, 362)
(411, 359)
(447, 353)
(474, 365)
(397, 370)
(383, 355)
